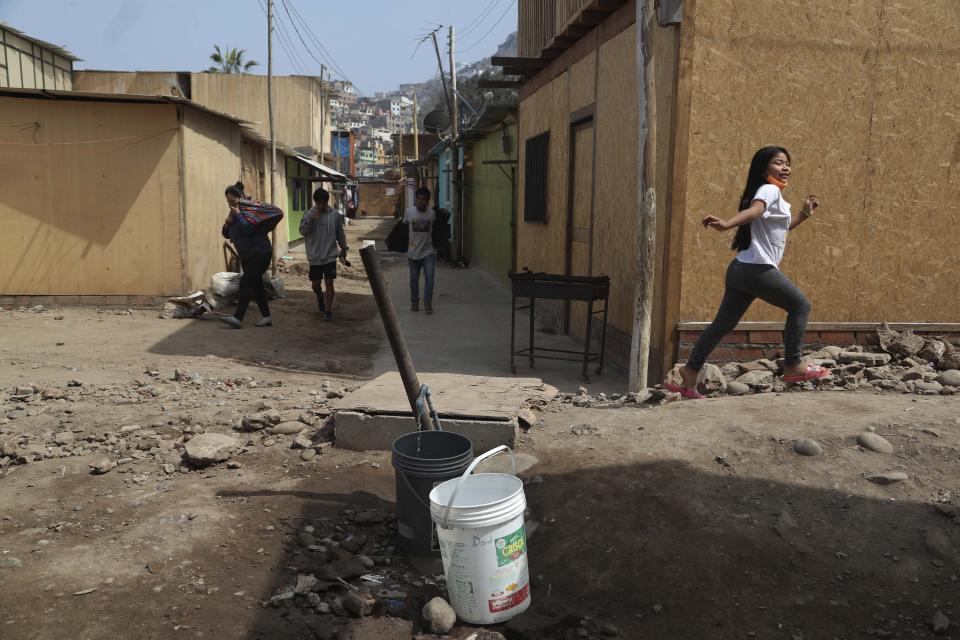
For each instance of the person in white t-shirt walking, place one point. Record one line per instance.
(420, 253)
(762, 225)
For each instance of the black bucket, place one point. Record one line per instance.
(441, 456)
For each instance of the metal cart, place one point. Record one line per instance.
(589, 289)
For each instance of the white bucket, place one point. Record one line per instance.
(483, 543)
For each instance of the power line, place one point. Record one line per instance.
(287, 47)
(495, 25)
(329, 56)
(473, 26)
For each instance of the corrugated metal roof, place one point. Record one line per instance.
(50, 94)
(336, 175)
(60, 51)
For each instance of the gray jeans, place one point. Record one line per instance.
(744, 284)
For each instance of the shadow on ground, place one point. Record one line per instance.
(662, 550)
(299, 340)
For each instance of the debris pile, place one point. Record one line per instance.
(175, 441)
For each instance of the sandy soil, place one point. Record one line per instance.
(690, 520)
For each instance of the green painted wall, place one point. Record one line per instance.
(490, 200)
(295, 215)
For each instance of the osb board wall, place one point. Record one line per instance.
(89, 199)
(867, 96)
(135, 82)
(296, 103)
(540, 246)
(615, 191)
(211, 156)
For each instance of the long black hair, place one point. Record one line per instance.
(756, 178)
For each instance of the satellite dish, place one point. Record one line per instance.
(436, 121)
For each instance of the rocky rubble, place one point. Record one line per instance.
(350, 567)
(38, 423)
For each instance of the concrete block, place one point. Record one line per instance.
(361, 432)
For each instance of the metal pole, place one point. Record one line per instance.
(273, 140)
(411, 384)
(646, 222)
(455, 148)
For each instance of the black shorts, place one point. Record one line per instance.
(323, 271)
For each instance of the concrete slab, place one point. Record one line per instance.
(362, 432)
(454, 396)
(483, 408)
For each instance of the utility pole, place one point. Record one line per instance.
(443, 78)
(455, 149)
(416, 130)
(324, 111)
(646, 222)
(273, 140)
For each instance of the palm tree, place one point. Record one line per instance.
(230, 62)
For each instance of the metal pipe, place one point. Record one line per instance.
(411, 384)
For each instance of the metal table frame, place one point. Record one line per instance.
(589, 289)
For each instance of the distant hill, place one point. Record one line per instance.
(430, 93)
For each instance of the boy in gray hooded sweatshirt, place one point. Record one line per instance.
(325, 241)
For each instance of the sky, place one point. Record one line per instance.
(370, 41)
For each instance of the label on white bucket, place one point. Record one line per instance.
(487, 574)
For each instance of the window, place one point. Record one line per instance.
(535, 178)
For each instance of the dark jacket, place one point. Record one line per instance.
(248, 240)
(399, 238)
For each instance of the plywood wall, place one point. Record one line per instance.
(540, 246)
(491, 202)
(89, 199)
(865, 96)
(606, 78)
(296, 103)
(211, 162)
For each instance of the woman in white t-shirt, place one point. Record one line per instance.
(762, 225)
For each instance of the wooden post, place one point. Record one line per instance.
(273, 140)
(646, 220)
(457, 213)
(416, 130)
(324, 112)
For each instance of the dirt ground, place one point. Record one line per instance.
(689, 520)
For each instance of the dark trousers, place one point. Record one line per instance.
(744, 284)
(251, 284)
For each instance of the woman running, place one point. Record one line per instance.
(762, 225)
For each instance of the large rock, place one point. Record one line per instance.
(763, 364)
(888, 477)
(807, 447)
(931, 388)
(735, 388)
(289, 428)
(439, 616)
(949, 378)
(880, 373)
(832, 351)
(933, 350)
(874, 442)
(711, 380)
(886, 335)
(906, 344)
(260, 421)
(919, 372)
(868, 359)
(208, 448)
(731, 370)
(758, 379)
(949, 361)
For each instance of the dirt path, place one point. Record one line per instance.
(691, 520)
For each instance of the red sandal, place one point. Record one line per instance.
(689, 394)
(813, 372)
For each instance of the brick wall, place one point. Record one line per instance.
(742, 345)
